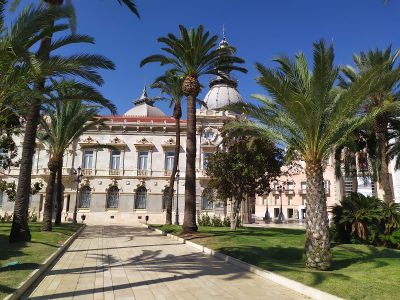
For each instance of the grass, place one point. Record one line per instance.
(29, 255)
(357, 272)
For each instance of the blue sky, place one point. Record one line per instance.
(259, 29)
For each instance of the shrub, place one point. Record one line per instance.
(216, 221)
(226, 222)
(368, 220)
(393, 239)
(32, 215)
(204, 220)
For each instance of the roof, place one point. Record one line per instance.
(150, 119)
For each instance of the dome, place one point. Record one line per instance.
(220, 95)
(144, 107)
(145, 110)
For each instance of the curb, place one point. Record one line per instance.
(286, 282)
(24, 286)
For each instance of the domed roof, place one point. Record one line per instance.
(144, 107)
(223, 87)
(220, 95)
(145, 110)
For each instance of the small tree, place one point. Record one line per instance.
(243, 168)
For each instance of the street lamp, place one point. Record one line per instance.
(177, 199)
(267, 215)
(79, 176)
(281, 217)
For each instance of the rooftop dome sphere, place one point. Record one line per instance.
(220, 95)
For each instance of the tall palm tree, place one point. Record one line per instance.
(192, 55)
(83, 66)
(306, 113)
(20, 230)
(62, 124)
(364, 63)
(171, 85)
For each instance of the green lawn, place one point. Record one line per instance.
(358, 271)
(29, 255)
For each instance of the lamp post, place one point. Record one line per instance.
(281, 217)
(177, 199)
(267, 215)
(79, 176)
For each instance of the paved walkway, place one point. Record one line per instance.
(117, 262)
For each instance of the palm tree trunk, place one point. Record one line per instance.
(384, 176)
(59, 193)
(168, 216)
(48, 205)
(189, 221)
(20, 230)
(317, 244)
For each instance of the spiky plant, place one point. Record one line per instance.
(170, 84)
(307, 113)
(62, 123)
(82, 66)
(385, 61)
(192, 55)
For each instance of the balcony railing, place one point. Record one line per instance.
(114, 172)
(167, 172)
(87, 172)
(302, 191)
(142, 172)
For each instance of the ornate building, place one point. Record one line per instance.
(126, 163)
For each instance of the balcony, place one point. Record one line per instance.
(289, 191)
(302, 191)
(114, 172)
(143, 173)
(87, 172)
(167, 172)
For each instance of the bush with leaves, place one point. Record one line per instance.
(363, 219)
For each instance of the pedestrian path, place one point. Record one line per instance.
(117, 262)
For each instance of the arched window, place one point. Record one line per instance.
(165, 197)
(207, 199)
(141, 198)
(113, 197)
(84, 200)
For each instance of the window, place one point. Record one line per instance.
(165, 197)
(207, 202)
(303, 185)
(169, 160)
(290, 185)
(113, 197)
(141, 198)
(290, 200)
(1, 199)
(206, 157)
(87, 159)
(142, 161)
(84, 199)
(209, 135)
(276, 186)
(115, 160)
(326, 186)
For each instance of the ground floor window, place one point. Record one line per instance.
(141, 198)
(290, 213)
(207, 199)
(113, 197)
(1, 199)
(85, 196)
(165, 197)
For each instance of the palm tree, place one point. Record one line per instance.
(306, 113)
(83, 66)
(365, 62)
(171, 85)
(192, 55)
(61, 126)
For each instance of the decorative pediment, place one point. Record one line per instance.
(169, 143)
(117, 142)
(143, 143)
(88, 142)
